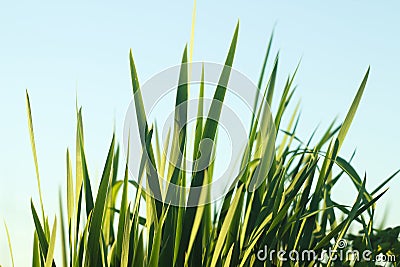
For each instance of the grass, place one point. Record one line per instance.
(293, 209)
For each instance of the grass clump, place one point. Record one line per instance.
(293, 208)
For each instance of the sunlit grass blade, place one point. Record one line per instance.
(36, 259)
(352, 111)
(49, 258)
(9, 244)
(225, 228)
(63, 234)
(33, 145)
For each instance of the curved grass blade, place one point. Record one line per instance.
(33, 145)
(9, 244)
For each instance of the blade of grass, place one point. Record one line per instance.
(9, 244)
(352, 111)
(33, 145)
(225, 227)
(49, 258)
(94, 232)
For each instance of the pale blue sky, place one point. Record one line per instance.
(56, 49)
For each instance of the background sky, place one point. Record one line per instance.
(60, 50)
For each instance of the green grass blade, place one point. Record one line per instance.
(123, 212)
(225, 227)
(94, 235)
(125, 239)
(384, 183)
(229, 257)
(352, 111)
(43, 242)
(36, 262)
(49, 258)
(155, 248)
(9, 244)
(197, 221)
(63, 235)
(70, 196)
(78, 159)
(33, 145)
(86, 183)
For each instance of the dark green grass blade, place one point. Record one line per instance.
(92, 256)
(44, 245)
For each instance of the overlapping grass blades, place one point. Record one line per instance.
(292, 209)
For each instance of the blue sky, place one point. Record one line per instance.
(56, 50)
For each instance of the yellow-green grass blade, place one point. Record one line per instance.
(285, 98)
(155, 248)
(197, 220)
(139, 106)
(178, 154)
(33, 145)
(124, 211)
(179, 132)
(36, 259)
(158, 151)
(78, 158)
(109, 234)
(211, 124)
(352, 111)
(9, 244)
(165, 153)
(270, 89)
(191, 45)
(253, 240)
(229, 257)
(70, 198)
(126, 238)
(266, 99)
(225, 227)
(283, 145)
(63, 235)
(261, 79)
(144, 132)
(50, 254)
(199, 121)
(245, 221)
